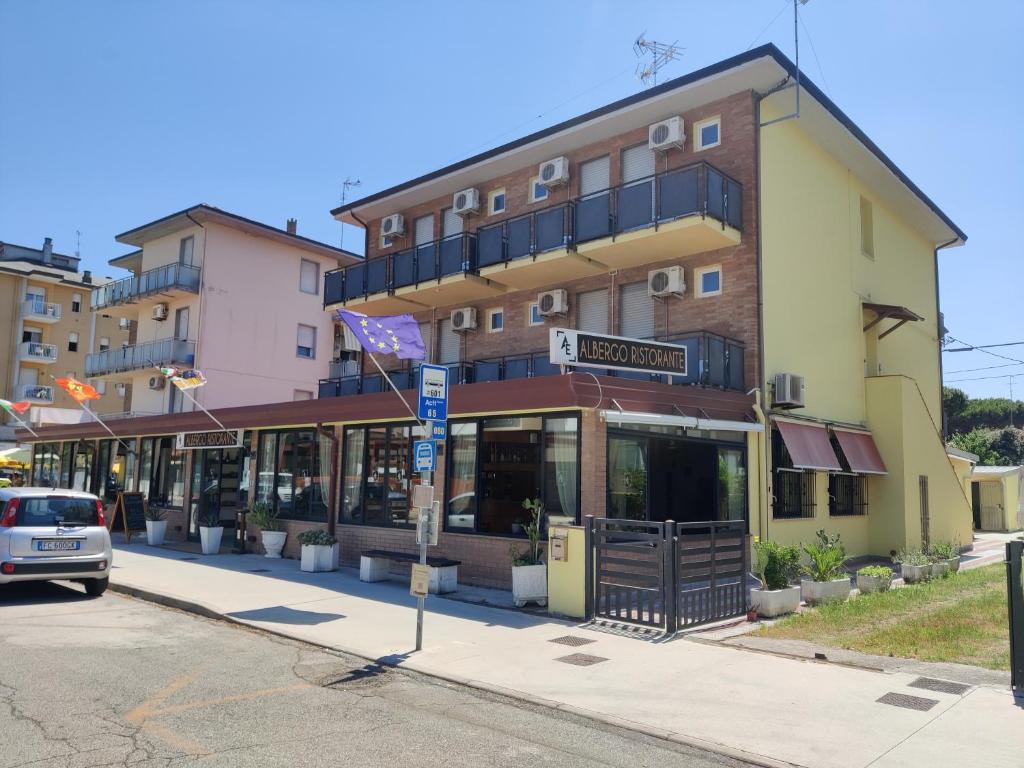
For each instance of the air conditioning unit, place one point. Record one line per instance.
(554, 172)
(159, 311)
(464, 319)
(666, 134)
(789, 391)
(393, 225)
(554, 302)
(124, 323)
(669, 281)
(465, 202)
(157, 382)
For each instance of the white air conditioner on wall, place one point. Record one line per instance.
(157, 382)
(160, 312)
(554, 302)
(666, 134)
(788, 391)
(554, 172)
(464, 319)
(669, 281)
(465, 202)
(393, 225)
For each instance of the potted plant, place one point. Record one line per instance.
(156, 526)
(914, 565)
(826, 577)
(210, 532)
(775, 567)
(319, 551)
(947, 553)
(529, 573)
(874, 578)
(264, 516)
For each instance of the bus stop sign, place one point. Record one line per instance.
(433, 405)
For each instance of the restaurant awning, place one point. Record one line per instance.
(860, 451)
(808, 446)
(675, 420)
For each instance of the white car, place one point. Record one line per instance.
(52, 533)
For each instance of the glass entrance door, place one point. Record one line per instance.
(627, 477)
(216, 476)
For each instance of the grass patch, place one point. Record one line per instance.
(961, 618)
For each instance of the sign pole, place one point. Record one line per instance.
(421, 601)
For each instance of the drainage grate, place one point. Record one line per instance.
(581, 659)
(940, 686)
(259, 570)
(188, 558)
(575, 642)
(908, 702)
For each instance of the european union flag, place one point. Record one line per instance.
(390, 335)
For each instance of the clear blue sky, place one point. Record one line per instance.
(116, 113)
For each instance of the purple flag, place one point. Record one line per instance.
(390, 335)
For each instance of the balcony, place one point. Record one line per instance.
(36, 393)
(37, 352)
(151, 354)
(692, 209)
(39, 311)
(168, 280)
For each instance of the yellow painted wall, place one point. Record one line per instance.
(567, 580)
(853, 531)
(962, 468)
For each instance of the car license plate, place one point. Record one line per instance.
(57, 545)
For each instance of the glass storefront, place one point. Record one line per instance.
(293, 473)
(162, 472)
(378, 475)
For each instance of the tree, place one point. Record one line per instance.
(977, 441)
(1008, 446)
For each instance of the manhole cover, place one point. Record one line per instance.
(940, 686)
(908, 702)
(575, 642)
(581, 659)
(188, 558)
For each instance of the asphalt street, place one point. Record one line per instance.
(114, 681)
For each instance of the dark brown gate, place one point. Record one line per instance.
(628, 571)
(711, 572)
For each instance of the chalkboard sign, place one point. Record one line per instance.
(130, 508)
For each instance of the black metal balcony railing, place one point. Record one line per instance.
(697, 190)
(153, 281)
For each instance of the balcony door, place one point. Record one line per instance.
(181, 324)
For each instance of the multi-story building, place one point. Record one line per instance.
(47, 333)
(770, 283)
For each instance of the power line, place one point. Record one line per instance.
(982, 349)
(985, 378)
(983, 346)
(984, 368)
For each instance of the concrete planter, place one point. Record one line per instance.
(210, 539)
(914, 574)
(273, 542)
(529, 584)
(954, 564)
(815, 592)
(940, 568)
(868, 584)
(319, 557)
(775, 602)
(155, 532)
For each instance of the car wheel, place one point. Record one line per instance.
(96, 587)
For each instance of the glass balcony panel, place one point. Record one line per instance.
(490, 245)
(734, 209)
(634, 206)
(520, 237)
(593, 217)
(679, 193)
(715, 361)
(376, 275)
(334, 284)
(693, 369)
(486, 370)
(373, 382)
(355, 281)
(328, 388)
(542, 366)
(403, 268)
(551, 229)
(454, 255)
(517, 368)
(402, 379)
(715, 193)
(426, 262)
(734, 359)
(349, 385)
(458, 373)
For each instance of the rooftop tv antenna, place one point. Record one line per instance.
(660, 55)
(78, 243)
(346, 185)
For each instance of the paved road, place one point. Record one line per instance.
(118, 682)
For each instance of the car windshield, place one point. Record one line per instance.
(50, 510)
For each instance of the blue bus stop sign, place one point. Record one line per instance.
(433, 405)
(424, 455)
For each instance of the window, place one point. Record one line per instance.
(293, 473)
(46, 462)
(423, 229)
(867, 228)
(533, 315)
(847, 495)
(496, 201)
(707, 133)
(104, 343)
(100, 386)
(73, 341)
(595, 175)
(306, 342)
(76, 302)
(538, 191)
(793, 494)
(302, 394)
(309, 277)
(378, 475)
(709, 280)
(35, 335)
(162, 472)
(592, 311)
(495, 320)
(185, 248)
(636, 311)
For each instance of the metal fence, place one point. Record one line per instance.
(1015, 600)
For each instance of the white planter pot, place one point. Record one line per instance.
(940, 569)
(155, 532)
(815, 592)
(868, 584)
(210, 539)
(529, 583)
(273, 542)
(319, 557)
(775, 602)
(914, 574)
(954, 564)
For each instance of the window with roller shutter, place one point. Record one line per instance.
(636, 311)
(424, 229)
(449, 349)
(592, 311)
(595, 175)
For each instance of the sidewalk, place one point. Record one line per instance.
(767, 709)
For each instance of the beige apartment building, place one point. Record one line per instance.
(46, 330)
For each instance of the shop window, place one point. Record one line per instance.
(162, 472)
(85, 457)
(45, 465)
(732, 484)
(293, 473)
(461, 487)
(378, 475)
(793, 493)
(707, 133)
(847, 495)
(67, 453)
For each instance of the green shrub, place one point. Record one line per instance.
(530, 555)
(316, 537)
(876, 572)
(913, 556)
(775, 565)
(210, 519)
(264, 516)
(155, 514)
(827, 556)
(944, 550)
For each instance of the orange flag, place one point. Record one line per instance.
(79, 392)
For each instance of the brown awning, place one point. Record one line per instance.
(861, 452)
(809, 446)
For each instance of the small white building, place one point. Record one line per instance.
(996, 498)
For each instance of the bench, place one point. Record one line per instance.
(374, 565)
